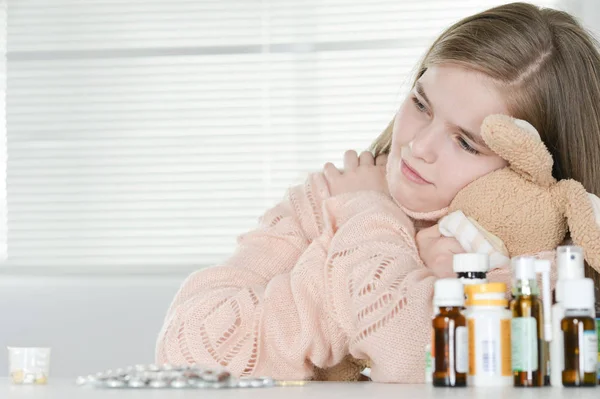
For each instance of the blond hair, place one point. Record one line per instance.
(548, 67)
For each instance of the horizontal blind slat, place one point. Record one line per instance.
(153, 133)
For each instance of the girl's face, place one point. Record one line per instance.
(437, 148)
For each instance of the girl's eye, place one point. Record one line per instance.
(419, 105)
(465, 146)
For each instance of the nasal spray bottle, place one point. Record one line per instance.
(569, 260)
(531, 325)
(579, 334)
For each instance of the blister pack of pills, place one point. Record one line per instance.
(175, 377)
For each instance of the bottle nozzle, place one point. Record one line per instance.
(569, 263)
(543, 267)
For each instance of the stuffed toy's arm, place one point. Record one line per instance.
(474, 238)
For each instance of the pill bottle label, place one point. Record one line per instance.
(523, 336)
(462, 349)
(590, 351)
(428, 364)
(598, 339)
(505, 349)
(472, 352)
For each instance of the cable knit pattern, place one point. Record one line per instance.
(320, 279)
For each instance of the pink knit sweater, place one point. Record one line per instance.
(320, 278)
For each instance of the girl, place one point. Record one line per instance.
(334, 270)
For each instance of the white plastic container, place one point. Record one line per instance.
(29, 365)
(471, 268)
(488, 324)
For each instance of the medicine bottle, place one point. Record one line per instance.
(488, 325)
(449, 335)
(579, 334)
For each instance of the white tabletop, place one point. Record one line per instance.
(66, 389)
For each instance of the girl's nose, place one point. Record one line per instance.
(425, 145)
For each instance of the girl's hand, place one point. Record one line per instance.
(437, 251)
(362, 173)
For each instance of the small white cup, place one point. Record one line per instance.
(29, 365)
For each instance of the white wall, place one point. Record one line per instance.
(91, 322)
(105, 321)
(587, 11)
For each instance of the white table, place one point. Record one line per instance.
(66, 389)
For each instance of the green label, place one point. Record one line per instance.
(428, 362)
(598, 332)
(598, 358)
(524, 344)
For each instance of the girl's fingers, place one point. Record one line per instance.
(366, 158)
(350, 160)
(381, 160)
(330, 171)
(452, 245)
(431, 233)
(443, 267)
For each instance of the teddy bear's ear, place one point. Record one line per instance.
(582, 211)
(519, 143)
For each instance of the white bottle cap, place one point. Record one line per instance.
(471, 262)
(523, 268)
(579, 293)
(569, 260)
(448, 292)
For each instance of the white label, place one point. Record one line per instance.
(523, 338)
(489, 356)
(590, 351)
(429, 360)
(462, 350)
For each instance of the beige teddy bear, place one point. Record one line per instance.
(519, 209)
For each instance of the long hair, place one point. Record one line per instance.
(548, 68)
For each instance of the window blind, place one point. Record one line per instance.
(147, 133)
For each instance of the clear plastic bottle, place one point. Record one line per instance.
(579, 334)
(488, 324)
(449, 335)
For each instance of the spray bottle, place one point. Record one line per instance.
(569, 260)
(579, 334)
(531, 325)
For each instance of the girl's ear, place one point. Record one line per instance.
(582, 211)
(517, 142)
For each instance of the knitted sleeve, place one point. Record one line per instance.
(380, 292)
(273, 248)
(358, 288)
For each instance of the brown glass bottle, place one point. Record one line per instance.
(598, 336)
(447, 357)
(527, 304)
(574, 328)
